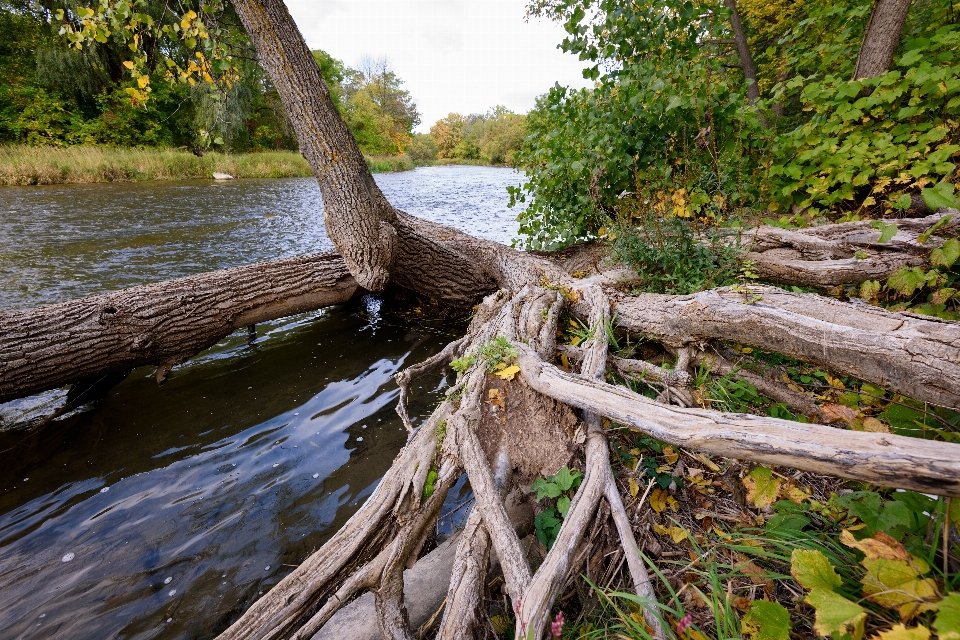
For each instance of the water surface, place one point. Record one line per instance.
(163, 512)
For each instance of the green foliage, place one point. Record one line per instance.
(668, 110)
(668, 253)
(560, 486)
(493, 137)
(497, 352)
(767, 621)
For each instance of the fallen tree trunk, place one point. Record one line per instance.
(160, 324)
(827, 255)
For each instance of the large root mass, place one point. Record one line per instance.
(505, 433)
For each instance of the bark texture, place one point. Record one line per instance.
(743, 50)
(360, 221)
(881, 38)
(159, 324)
(827, 255)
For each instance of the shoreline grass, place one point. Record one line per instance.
(22, 165)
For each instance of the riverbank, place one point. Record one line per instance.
(24, 165)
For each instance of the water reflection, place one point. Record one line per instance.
(166, 511)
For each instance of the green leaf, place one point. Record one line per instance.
(923, 237)
(936, 198)
(567, 479)
(563, 506)
(887, 231)
(947, 254)
(836, 614)
(766, 621)
(947, 623)
(545, 489)
(813, 570)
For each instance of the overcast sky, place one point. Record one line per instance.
(453, 55)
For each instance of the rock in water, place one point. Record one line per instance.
(222, 176)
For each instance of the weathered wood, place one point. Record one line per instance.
(879, 458)
(917, 357)
(159, 324)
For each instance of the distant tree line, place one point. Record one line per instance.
(492, 138)
(54, 94)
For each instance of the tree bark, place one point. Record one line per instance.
(743, 49)
(363, 225)
(159, 324)
(881, 38)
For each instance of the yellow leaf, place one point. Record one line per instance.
(659, 529)
(875, 426)
(678, 534)
(900, 632)
(565, 362)
(880, 546)
(634, 487)
(128, 64)
(508, 373)
(671, 455)
(762, 487)
(143, 81)
(658, 500)
(496, 398)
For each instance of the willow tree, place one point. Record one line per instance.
(548, 416)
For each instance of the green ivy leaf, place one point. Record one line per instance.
(766, 621)
(563, 506)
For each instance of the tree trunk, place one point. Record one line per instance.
(743, 49)
(881, 38)
(360, 221)
(159, 324)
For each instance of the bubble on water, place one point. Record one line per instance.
(296, 413)
(172, 593)
(234, 464)
(169, 620)
(276, 464)
(224, 576)
(316, 475)
(26, 479)
(168, 580)
(43, 615)
(105, 489)
(67, 558)
(359, 438)
(363, 426)
(266, 568)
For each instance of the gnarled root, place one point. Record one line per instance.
(504, 434)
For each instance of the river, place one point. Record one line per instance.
(164, 512)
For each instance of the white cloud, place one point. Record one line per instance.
(452, 55)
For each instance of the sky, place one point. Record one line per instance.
(453, 55)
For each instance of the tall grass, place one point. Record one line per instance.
(385, 164)
(26, 165)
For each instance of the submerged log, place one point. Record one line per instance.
(160, 324)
